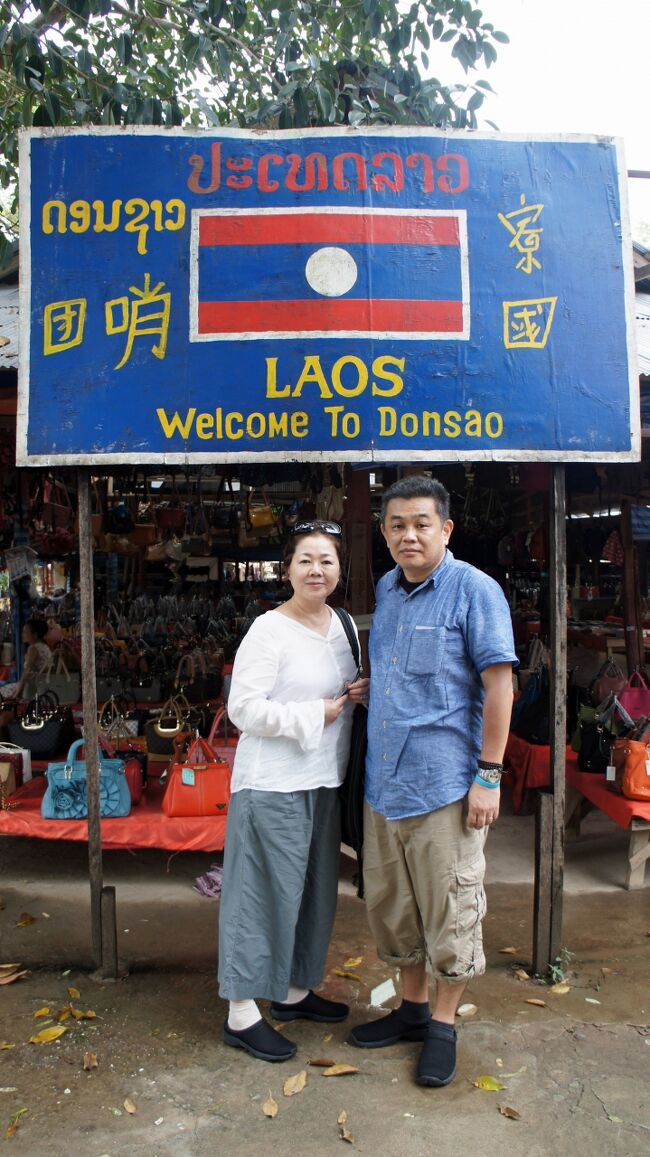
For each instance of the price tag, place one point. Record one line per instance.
(610, 774)
(647, 766)
(187, 776)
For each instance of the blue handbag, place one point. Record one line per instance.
(65, 796)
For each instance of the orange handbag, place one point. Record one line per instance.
(631, 759)
(198, 784)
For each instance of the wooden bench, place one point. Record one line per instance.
(586, 791)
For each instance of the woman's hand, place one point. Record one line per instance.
(358, 691)
(334, 707)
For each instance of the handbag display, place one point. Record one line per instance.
(635, 696)
(198, 783)
(596, 731)
(259, 512)
(44, 729)
(631, 759)
(146, 689)
(609, 680)
(65, 684)
(20, 761)
(531, 712)
(66, 793)
(162, 731)
(351, 791)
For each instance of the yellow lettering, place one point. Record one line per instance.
(256, 425)
(79, 216)
(493, 425)
(204, 426)
(178, 207)
(46, 217)
(431, 418)
(362, 377)
(278, 425)
(231, 432)
(452, 424)
(312, 372)
(379, 369)
(473, 424)
(139, 210)
(101, 225)
(387, 421)
(409, 425)
(176, 425)
(299, 424)
(272, 390)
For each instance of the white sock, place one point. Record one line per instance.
(242, 1014)
(294, 995)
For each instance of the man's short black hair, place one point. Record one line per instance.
(418, 486)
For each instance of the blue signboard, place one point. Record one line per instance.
(381, 295)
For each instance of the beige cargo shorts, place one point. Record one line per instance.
(423, 880)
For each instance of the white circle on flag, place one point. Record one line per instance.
(331, 271)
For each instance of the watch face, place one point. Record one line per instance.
(490, 776)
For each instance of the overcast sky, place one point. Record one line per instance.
(576, 66)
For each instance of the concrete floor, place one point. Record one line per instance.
(576, 1068)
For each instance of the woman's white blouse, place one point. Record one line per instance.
(282, 673)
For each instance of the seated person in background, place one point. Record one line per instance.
(38, 660)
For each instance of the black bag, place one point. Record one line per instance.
(351, 791)
(45, 730)
(531, 721)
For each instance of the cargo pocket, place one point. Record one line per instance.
(470, 910)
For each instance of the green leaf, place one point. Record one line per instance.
(124, 47)
(501, 37)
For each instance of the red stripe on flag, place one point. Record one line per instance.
(328, 228)
(216, 317)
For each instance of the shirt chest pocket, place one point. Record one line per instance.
(426, 653)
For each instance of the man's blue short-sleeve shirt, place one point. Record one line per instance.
(427, 651)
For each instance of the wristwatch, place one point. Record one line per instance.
(490, 772)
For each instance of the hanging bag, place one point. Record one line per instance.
(198, 783)
(65, 683)
(610, 680)
(259, 511)
(635, 696)
(45, 729)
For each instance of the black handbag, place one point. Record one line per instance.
(352, 790)
(46, 730)
(531, 713)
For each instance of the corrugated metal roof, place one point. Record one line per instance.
(8, 327)
(642, 315)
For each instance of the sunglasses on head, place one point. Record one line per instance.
(317, 526)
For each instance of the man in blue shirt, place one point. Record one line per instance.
(441, 656)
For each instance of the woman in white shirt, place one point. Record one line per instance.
(294, 684)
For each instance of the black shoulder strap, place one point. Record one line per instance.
(346, 623)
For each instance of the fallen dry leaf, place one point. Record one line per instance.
(24, 920)
(41, 1012)
(270, 1106)
(591, 1000)
(345, 1135)
(508, 951)
(79, 1014)
(466, 1010)
(90, 1061)
(7, 969)
(561, 988)
(327, 1038)
(295, 1084)
(63, 1014)
(321, 1063)
(74, 993)
(14, 976)
(534, 1000)
(521, 974)
(129, 1107)
(349, 975)
(47, 1034)
(12, 1128)
(489, 1084)
(342, 1117)
(4, 1045)
(353, 962)
(499, 1063)
(341, 1070)
(607, 971)
(511, 1114)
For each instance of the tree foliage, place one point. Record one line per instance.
(280, 63)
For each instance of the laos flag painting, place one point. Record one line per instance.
(329, 272)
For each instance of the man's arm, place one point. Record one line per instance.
(497, 709)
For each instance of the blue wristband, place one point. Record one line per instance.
(484, 782)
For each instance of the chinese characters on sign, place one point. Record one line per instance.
(526, 324)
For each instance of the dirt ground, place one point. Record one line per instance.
(575, 1068)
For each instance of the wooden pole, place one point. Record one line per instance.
(549, 819)
(89, 700)
(631, 602)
